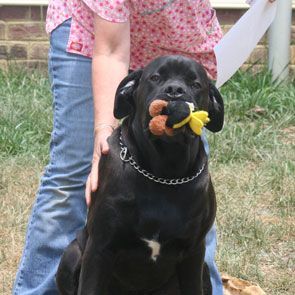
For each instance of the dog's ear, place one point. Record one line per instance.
(215, 109)
(124, 103)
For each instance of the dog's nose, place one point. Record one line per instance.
(174, 90)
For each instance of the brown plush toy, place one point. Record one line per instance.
(167, 116)
(157, 124)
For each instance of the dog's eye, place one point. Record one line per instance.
(196, 85)
(155, 77)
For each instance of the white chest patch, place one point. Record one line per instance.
(155, 247)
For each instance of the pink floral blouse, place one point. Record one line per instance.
(158, 27)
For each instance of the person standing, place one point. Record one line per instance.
(93, 44)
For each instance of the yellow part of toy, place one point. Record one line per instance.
(197, 120)
(183, 122)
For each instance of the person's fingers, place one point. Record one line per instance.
(105, 147)
(100, 147)
(94, 173)
(88, 191)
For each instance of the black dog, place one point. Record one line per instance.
(145, 232)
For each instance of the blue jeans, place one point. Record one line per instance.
(60, 210)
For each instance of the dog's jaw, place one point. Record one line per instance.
(169, 157)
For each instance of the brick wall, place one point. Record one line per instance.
(23, 39)
(22, 36)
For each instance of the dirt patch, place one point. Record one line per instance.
(18, 184)
(288, 136)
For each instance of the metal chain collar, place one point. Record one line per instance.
(127, 158)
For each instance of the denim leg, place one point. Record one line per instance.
(60, 209)
(211, 241)
(217, 288)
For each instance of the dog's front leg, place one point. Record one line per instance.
(190, 272)
(96, 270)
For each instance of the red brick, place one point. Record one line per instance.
(30, 65)
(44, 11)
(18, 51)
(259, 55)
(225, 28)
(38, 65)
(3, 64)
(37, 13)
(263, 40)
(26, 31)
(39, 51)
(14, 13)
(2, 30)
(18, 63)
(292, 49)
(3, 51)
(254, 69)
(229, 17)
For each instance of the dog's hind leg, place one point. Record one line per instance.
(96, 270)
(115, 288)
(67, 277)
(170, 288)
(190, 272)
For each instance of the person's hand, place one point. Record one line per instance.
(101, 147)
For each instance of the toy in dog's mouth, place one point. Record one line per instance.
(168, 116)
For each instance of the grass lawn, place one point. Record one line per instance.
(252, 163)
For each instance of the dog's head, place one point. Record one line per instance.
(169, 78)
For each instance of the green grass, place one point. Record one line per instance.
(25, 114)
(257, 112)
(252, 166)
